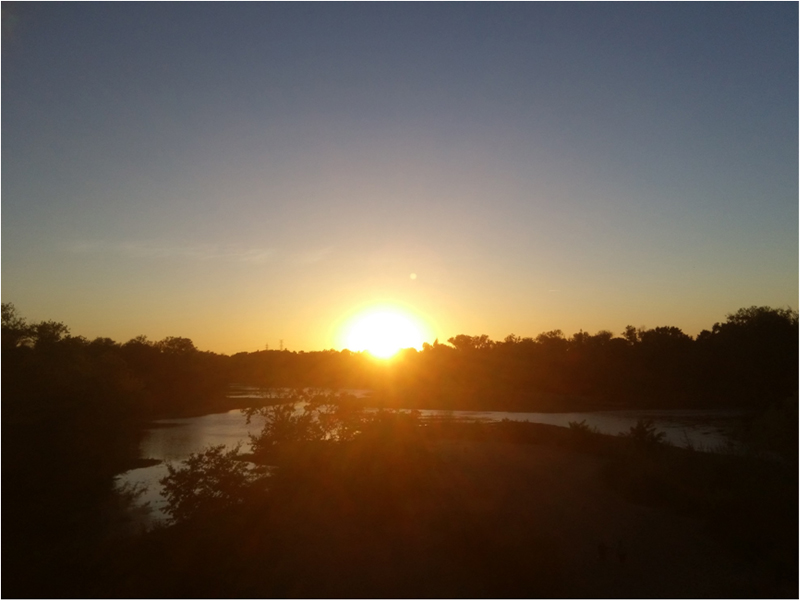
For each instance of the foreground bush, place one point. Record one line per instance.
(296, 431)
(208, 482)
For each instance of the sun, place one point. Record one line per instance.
(382, 332)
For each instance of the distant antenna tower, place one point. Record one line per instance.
(266, 346)
(281, 341)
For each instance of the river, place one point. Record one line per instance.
(173, 440)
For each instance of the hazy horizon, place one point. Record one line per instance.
(242, 174)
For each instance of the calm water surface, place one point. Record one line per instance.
(175, 439)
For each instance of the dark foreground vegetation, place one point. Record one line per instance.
(381, 504)
(339, 501)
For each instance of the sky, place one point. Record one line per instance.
(243, 174)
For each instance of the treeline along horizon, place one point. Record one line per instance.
(748, 360)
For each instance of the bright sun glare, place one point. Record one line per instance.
(382, 333)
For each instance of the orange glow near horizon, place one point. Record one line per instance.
(383, 331)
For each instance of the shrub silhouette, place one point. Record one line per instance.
(209, 481)
(581, 428)
(294, 433)
(644, 433)
(305, 416)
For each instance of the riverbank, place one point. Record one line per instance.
(507, 509)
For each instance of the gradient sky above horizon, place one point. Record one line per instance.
(245, 173)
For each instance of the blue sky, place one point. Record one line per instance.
(244, 173)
